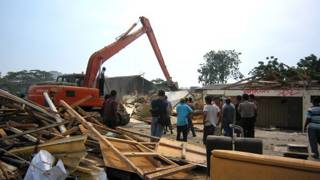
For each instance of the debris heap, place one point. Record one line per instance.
(86, 147)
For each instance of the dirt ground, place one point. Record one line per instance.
(274, 141)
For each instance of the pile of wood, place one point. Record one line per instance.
(85, 145)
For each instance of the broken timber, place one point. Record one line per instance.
(133, 156)
(178, 150)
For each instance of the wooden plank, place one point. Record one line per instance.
(101, 138)
(68, 132)
(84, 113)
(178, 151)
(32, 131)
(195, 149)
(137, 133)
(168, 172)
(27, 136)
(160, 169)
(7, 95)
(70, 150)
(140, 154)
(22, 125)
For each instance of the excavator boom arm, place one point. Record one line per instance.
(99, 57)
(155, 47)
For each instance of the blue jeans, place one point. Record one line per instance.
(227, 131)
(314, 137)
(156, 128)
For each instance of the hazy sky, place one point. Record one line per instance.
(62, 34)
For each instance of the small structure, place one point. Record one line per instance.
(128, 85)
(282, 107)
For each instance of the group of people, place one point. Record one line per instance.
(242, 113)
(161, 110)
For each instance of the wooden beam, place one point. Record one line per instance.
(7, 95)
(101, 138)
(27, 136)
(68, 132)
(180, 147)
(168, 172)
(137, 133)
(32, 131)
(159, 169)
(140, 154)
(22, 125)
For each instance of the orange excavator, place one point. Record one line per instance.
(74, 87)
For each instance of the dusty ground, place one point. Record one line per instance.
(274, 142)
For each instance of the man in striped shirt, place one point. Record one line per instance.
(313, 120)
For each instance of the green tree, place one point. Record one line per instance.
(18, 82)
(29, 76)
(307, 69)
(310, 67)
(219, 67)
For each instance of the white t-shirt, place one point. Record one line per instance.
(212, 114)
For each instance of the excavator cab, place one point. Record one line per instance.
(72, 79)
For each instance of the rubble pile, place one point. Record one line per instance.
(140, 107)
(46, 143)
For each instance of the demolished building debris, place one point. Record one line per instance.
(85, 146)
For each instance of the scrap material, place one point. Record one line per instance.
(182, 151)
(85, 145)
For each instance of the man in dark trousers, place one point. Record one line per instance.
(110, 110)
(159, 114)
(228, 113)
(168, 119)
(247, 111)
(313, 120)
(183, 114)
(253, 100)
(238, 116)
(211, 116)
(101, 81)
(190, 123)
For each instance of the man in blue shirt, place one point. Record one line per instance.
(313, 120)
(183, 112)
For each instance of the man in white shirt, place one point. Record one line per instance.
(211, 117)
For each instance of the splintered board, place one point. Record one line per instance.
(130, 155)
(149, 162)
(70, 150)
(182, 151)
